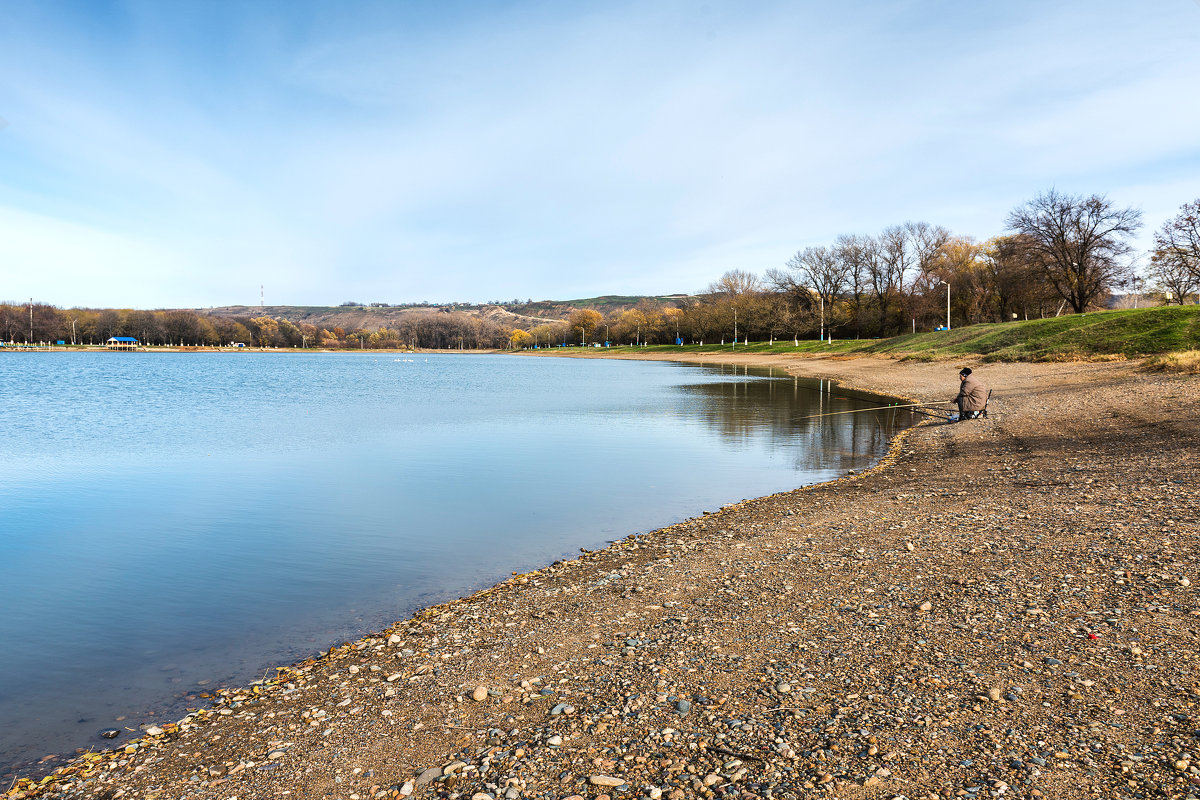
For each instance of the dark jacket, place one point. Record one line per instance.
(972, 394)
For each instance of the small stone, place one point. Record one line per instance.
(482, 796)
(275, 755)
(154, 730)
(1053, 662)
(406, 788)
(353, 669)
(993, 694)
(711, 779)
(1184, 582)
(110, 733)
(909, 546)
(654, 793)
(555, 740)
(683, 707)
(395, 638)
(480, 694)
(783, 687)
(926, 606)
(606, 780)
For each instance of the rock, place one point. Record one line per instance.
(909, 546)
(555, 740)
(926, 606)
(406, 788)
(1184, 582)
(353, 669)
(654, 793)
(482, 796)
(606, 780)
(1053, 662)
(154, 730)
(480, 694)
(429, 776)
(993, 694)
(783, 687)
(110, 733)
(395, 638)
(683, 707)
(275, 755)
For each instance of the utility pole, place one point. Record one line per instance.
(31, 320)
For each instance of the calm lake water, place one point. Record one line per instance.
(173, 522)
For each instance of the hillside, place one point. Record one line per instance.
(1128, 333)
(371, 317)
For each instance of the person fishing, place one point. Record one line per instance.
(972, 396)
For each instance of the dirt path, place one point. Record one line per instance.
(1003, 608)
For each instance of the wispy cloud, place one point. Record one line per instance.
(474, 152)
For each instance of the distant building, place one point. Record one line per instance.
(122, 343)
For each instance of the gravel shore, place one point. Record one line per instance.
(1002, 608)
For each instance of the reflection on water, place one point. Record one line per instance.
(174, 521)
(801, 416)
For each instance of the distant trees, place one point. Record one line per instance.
(1080, 244)
(584, 322)
(1175, 264)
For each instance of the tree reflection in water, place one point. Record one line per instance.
(768, 403)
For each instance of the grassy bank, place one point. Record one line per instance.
(1129, 333)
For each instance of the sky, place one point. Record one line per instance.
(186, 153)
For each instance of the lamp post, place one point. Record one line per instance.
(822, 298)
(947, 285)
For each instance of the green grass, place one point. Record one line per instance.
(1131, 333)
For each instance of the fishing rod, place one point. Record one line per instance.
(876, 408)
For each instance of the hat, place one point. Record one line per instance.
(965, 371)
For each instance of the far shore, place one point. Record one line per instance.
(1001, 608)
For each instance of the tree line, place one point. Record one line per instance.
(1059, 253)
(45, 323)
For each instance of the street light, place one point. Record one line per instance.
(947, 285)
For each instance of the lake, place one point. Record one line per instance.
(173, 522)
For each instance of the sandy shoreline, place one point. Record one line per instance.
(1002, 608)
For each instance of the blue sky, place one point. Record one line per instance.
(181, 154)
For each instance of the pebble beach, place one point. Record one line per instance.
(1000, 608)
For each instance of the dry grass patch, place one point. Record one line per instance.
(1186, 362)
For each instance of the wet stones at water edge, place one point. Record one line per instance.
(110, 733)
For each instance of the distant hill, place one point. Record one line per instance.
(606, 304)
(377, 315)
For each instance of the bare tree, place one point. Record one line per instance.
(1175, 265)
(813, 271)
(854, 251)
(1081, 244)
